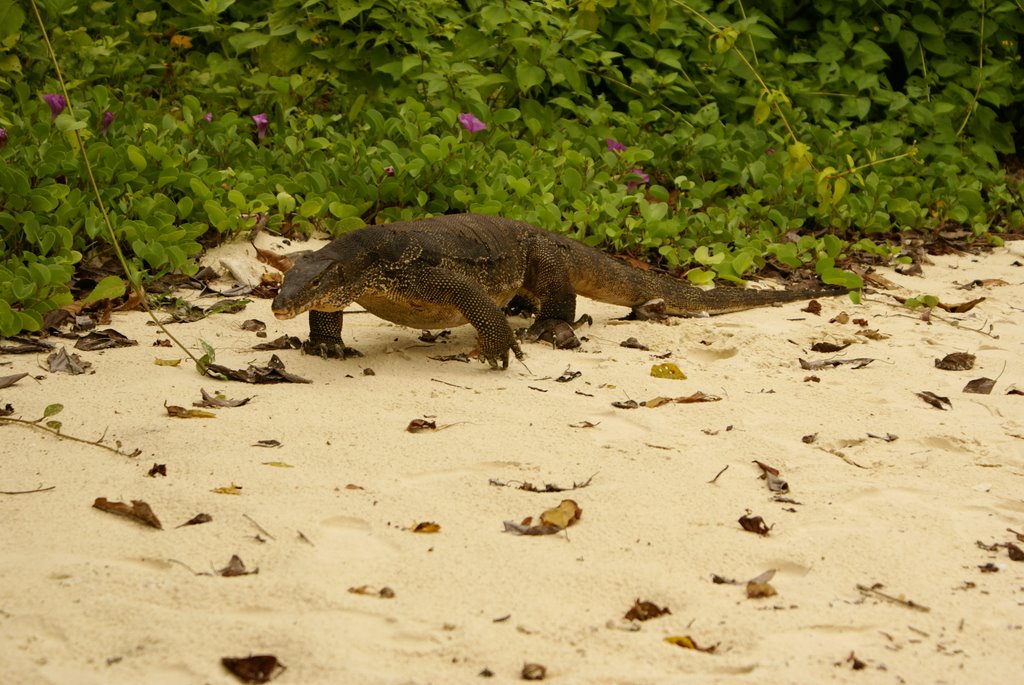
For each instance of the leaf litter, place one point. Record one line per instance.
(273, 372)
(552, 521)
(261, 668)
(138, 511)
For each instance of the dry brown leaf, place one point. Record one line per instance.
(8, 381)
(956, 361)
(236, 567)
(278, 261)
(139, 511)
(760, 590)
(980, 386)
(840, 318)
(644, 611)
(936, 401)
(228, 490)
(197, 520)
(261, 668)
(426, 527)
(219, 400)
(961, 307)
(533, 672)
(421, 425)
(182, 413)
(754, 524)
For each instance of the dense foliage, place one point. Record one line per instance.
(710, 136)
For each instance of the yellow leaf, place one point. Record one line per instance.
(562, 516)
(278, 464)
(668, 370)
(427, 527)
(167, 362)
(228, 490)
(180, 41)
(686, 642)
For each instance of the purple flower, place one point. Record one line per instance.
(3, 137)
(770, 151)
(389, 170)
(208, 117)
(471, 123)
(56, 102)
(644, 178)
(262, 124)
(614, 145)
(106, 121)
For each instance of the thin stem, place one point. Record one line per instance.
(981, 63)
(130, 274)
(62, 436)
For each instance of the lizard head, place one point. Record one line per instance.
(318, 281)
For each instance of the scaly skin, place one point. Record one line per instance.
(465, 268)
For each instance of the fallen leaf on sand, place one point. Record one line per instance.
(426, 527)
(551, 521)
(103, 340)
(236, 567)
(219, 400)
(668, 370)
(934, 400)
(273, 372)
(182, 413)
(687, 642)
(139, 510)
(197, 520)
(8, 381)
(980, 386)
(62, 362)
(956, 361)
(261, 668)
(754, 524)
(644, 611)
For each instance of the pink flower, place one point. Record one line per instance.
(208, 117)
(471, 123)
(389, 170)
(56, 102)
(614, 145)
(644, 178)
(106, 121)
(262, 124)
(3, 137)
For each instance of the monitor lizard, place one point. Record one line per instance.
(466, 268)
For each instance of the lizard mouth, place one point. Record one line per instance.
(284, 313)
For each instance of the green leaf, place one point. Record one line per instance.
(136, 157)
(529, 75)
(11, 18)
(107, 289)
(846, 279)
(65, 122)
(248, 41)
(52, 410)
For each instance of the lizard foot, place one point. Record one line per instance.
(493, 358)
(652, 310)
(329, 349)
(561, 334)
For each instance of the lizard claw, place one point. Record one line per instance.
(334, 349)
(493, 358)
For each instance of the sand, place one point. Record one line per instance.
(89, 597)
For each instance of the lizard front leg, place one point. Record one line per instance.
(325, 336)
(444, 287)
